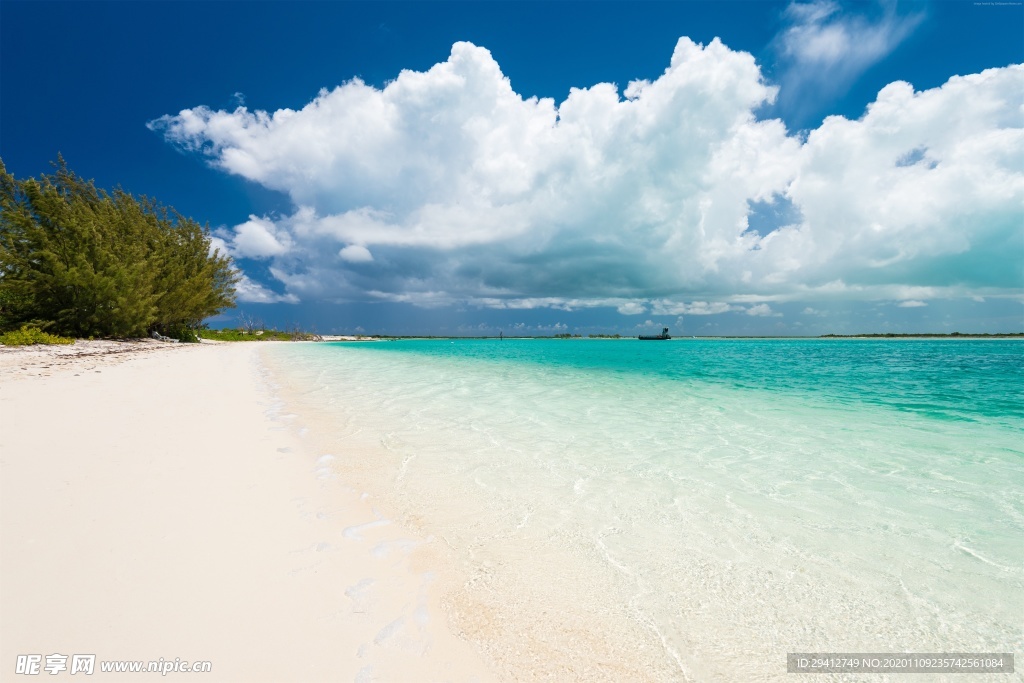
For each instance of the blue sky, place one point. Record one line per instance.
(543, 167)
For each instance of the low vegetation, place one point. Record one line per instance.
(27, 336)
(229, 334)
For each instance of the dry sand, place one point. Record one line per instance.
(154, 505)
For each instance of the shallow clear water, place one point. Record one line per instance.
(695, 509)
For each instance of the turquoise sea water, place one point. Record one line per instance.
(694, 509)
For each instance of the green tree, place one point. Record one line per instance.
(85, 262)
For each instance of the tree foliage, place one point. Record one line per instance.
(84, 262)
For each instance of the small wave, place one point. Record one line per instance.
(978, 556)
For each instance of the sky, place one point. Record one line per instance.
(533, 167)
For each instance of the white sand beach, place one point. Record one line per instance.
(154, 504)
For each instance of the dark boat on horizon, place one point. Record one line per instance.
(652, 337)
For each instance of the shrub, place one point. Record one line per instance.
(183, 333)
(27, 336)
(229, 334)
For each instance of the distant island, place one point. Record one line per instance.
(969, 335)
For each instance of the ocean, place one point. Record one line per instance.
(692, 509)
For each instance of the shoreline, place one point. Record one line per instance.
(510, 596)
(156, 504)
(288, 518)
(687, 337)
(603, 539)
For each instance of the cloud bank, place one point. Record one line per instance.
(447, 186)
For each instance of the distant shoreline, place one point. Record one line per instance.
(873, 335)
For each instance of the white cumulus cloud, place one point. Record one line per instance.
(668, 307)
(447, 186)
(355, 253)
(258, 238)
(632, 308)
(763, 310)
(249, 291)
